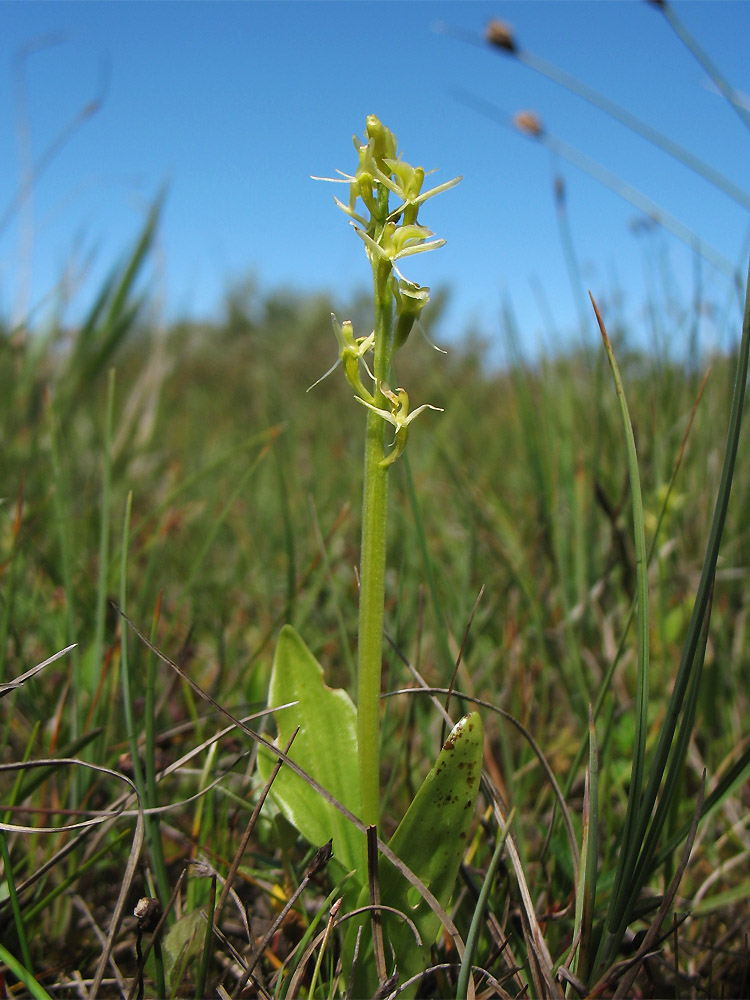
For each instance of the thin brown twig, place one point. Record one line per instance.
(375, 916)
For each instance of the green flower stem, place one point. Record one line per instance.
(372, 562)
(388, 235)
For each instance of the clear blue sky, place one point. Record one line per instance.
(236, 104)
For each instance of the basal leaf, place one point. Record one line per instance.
(325, 747)
(430, 840)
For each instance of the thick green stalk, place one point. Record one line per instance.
(372, 564)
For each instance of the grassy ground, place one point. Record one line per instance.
(198, 486)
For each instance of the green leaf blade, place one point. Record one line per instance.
(431, 840)
(325, 747)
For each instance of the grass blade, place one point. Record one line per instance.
(24, 975)
(585, 903)
(630, 841)
(464, 975)
(626, 890)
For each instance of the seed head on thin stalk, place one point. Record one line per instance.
(500, 36)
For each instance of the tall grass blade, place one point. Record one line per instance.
(625, 986)
(153, 827)
(127, 682)
(694, 649)
(586, 896)
(673, 776)
(110, 319)
(604, 687)
(200, 984)
(62, 508)
(10, 884)
(464, 975)
(706, 62)
(23, 974)
(630, 844)
(97, 653)
(690, 663)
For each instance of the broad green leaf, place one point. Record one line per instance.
(325, 747)
(430, 840)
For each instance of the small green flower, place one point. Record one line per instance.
(398, 241)
(351, 352)
(399, 416)
(411, 180)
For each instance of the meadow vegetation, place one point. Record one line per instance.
(242, 493)
(172, 497)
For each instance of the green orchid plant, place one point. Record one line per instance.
(385, 197)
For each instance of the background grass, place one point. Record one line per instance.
(184, 476)
(244, 493)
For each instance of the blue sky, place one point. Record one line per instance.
(235, 105)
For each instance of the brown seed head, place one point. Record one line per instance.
(321, 858)
(528, 122)
(500, 34)
(147, 910)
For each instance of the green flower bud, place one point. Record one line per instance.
(384, 141)
(410, 301)
(364, 188)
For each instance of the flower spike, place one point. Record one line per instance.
(385, 195)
